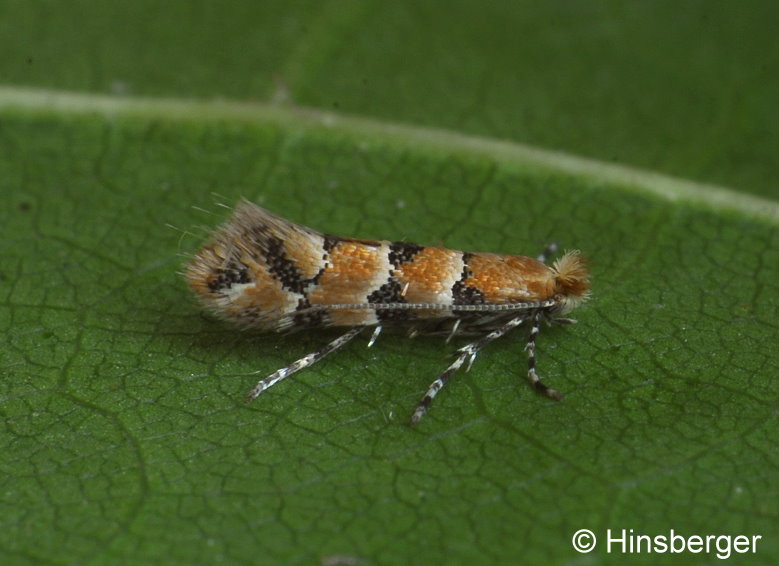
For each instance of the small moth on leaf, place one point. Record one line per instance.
(262, 271)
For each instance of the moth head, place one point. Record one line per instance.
(572, 281)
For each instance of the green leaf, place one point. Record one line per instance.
(126, 438)
(126, 434)
(689, 90)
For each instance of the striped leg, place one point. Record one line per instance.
(302, 363)
(464, 353)
(535, 381)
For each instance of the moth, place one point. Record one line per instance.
(264, 272)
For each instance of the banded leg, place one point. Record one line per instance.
(535, 381)
(464, 353)
(302, 363)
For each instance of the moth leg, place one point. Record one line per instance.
(376, 332)
(455, 327)
(535, 381)
(550, 249)
(302, 363)
(464, 353)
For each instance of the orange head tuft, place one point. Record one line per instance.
(572, 280)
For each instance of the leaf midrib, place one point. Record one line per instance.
(507, 153)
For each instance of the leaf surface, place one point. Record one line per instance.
(125, 435)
